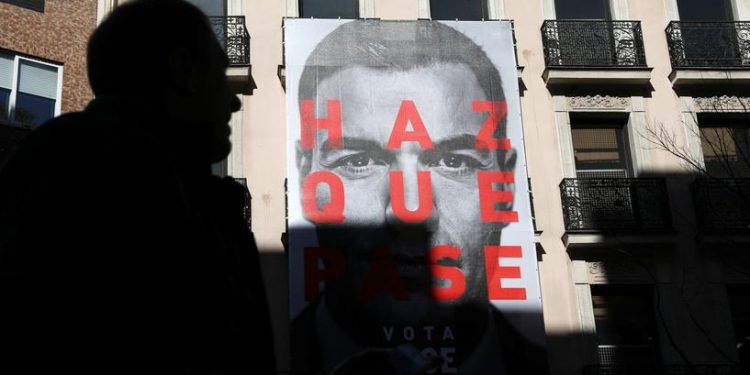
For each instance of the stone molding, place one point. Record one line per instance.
(598, 102)
(724, 103)
(608, 272)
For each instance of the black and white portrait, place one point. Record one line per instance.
(409, 218)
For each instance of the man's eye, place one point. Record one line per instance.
(356, 160)
(357, 165)
(455, 161)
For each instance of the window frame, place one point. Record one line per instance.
(35, 5)
(645, 292)
(357, 9)
(485, 4)
(608, 12)
(595, 120)
(17, 58)
(733, 122)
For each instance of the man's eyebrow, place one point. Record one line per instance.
(353, 143)
(460, 142)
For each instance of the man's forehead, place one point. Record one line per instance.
(379, 82)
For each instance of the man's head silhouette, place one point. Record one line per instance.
(164, 55)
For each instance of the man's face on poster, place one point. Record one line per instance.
(370, 100)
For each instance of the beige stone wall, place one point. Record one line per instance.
(60, 35)
(565, 278)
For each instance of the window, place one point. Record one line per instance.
(582, 9)
(625, 325)
(458, 9)
(599, 147)
(715, 43)
(211, 8)
(702, 10)
(29, 90)
(37, 5)
(582, 41)
(725, 142)
(329, 8)
(739, 306)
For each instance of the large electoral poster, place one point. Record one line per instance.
(408, 208)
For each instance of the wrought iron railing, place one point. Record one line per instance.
(586, 43)
(722, 204)
(233, 36)
(663, 370)
(709, 44)
(632, 354)
(247, 207)
(604, 204)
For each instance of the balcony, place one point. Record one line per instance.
(709, 53)
(663, 370)
(247, 204)
(721, 205)
(594, 52)
(596, 206)
(235, 40)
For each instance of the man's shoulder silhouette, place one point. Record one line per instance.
(120, 252)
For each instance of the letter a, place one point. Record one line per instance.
(407, 113)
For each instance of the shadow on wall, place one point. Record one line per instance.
(387, 285)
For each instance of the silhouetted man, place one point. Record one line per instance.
(119, 251)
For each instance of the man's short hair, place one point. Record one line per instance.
(129, 52)
(397, 46)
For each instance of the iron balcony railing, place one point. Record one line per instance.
(663, 370)
(606, 204)
(587, 43)
(709, 44)
(233, 36)
(722, 204)
(246, 209)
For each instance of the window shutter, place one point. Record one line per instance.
(38, 79)
(6, 71)
(37, 5)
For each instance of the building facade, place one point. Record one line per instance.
(635, 119)
(42, 63)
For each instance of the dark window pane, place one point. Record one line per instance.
(739, 304)
(625, 325)
(329, 8)
(582, 9)
(212, 8)
(705, 10)
(726, 150)
(33, 110)
(599, 147)
(37, 5)
(4, 103)
(458, 9)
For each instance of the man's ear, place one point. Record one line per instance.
(182, 71)
(304, 161)
(508, 164)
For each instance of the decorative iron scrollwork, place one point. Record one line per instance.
(233, 36)
(722, 204)
(593, 43)
(709, 44)
(602, 204)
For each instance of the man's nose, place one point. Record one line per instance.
(236, 103)
(417, 197)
